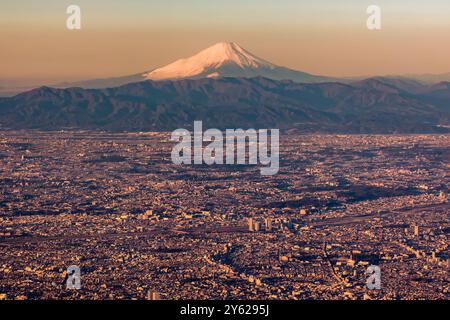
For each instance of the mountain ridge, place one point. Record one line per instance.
(229, 103)
(225, 59)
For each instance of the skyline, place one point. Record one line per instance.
(323, 38)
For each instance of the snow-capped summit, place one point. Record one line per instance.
(224, 52)
(221, 59)
(227, 59)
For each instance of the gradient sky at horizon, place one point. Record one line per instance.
(118, 38)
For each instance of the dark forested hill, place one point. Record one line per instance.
(369, 106)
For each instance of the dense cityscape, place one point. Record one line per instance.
(140, 227)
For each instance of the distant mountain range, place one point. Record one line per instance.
(376, 105)
(224, 59)
(228, 87)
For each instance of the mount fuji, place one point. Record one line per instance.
(228, 59)
(224, 59)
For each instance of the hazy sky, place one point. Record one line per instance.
(117, 38)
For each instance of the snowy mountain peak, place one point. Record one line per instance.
(224, 52)
(221, 59)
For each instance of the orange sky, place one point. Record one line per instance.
(321, 38)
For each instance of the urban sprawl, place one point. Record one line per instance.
(141, 227)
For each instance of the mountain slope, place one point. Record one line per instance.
(224, 103)
(438, 95)
(393, 85)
